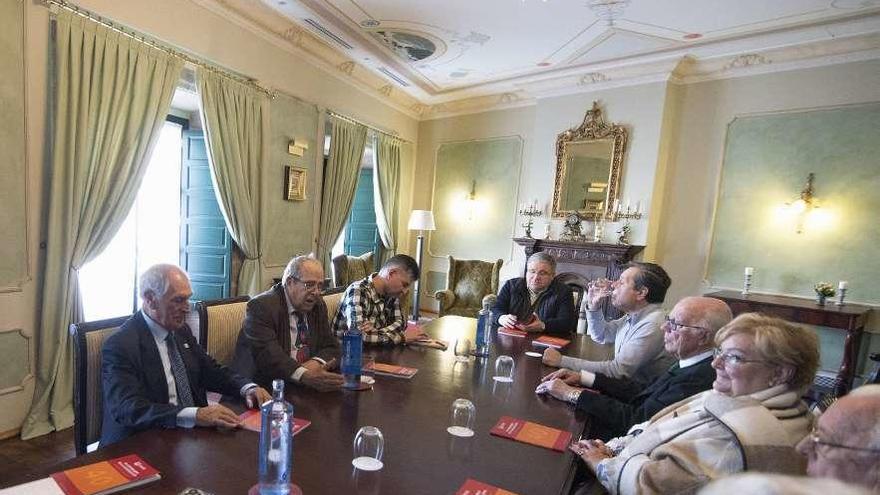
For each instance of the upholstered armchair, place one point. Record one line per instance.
(347, 269)
(467, 283)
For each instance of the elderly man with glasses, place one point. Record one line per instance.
(286, 332)
(615, 404)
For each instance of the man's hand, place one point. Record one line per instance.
(217, 415)
(566, 375)
(591, 451)
(598, 290)
(367, 327)
(256, 396)
(534, 325)
(507, 321)
(556, 388)
(413, 333)
(552, 357)
(321, 380)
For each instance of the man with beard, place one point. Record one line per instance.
(154, 373)
(286, 332)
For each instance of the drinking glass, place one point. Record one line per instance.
(504, 369)
(461, 418)
(462, 350)
(368, 447)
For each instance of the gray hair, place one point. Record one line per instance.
(543, 257)
(294, 267)
(155, 279)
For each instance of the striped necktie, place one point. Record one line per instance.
(178, 370)
(302, 339)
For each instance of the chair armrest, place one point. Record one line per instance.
(446, 298)
(490, 300)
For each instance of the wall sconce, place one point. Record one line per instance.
(805, 209)
(470, 203)
(297, 147)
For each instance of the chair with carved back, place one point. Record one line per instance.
(347, 269)
(220, 321)
(88, 400)
(467, 283)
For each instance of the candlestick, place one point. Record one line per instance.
(842, 284)
(841, 294)
(747, 281)
(749, 271)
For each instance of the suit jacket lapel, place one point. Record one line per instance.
(153, 370)
(283, 319)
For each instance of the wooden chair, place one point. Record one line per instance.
(578, 285)
(220, 321)
(88, 400)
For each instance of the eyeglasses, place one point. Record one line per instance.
(676, 327)
(814, 437)
(540, 273)
(733, 360)
(311, 286)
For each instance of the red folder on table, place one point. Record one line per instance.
(391, 370)
(512, 332)
(533, 433)
(251, 420)
(548, 341)
(474, 487)
(109, 476)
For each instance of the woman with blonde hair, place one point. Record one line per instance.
(752, 419)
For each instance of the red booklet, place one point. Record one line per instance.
(104, 477)
(391, 370)
(533, 433)
(548, 341)
(474, 487)
(251, 420)
(512, 332)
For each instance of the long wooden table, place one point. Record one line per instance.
(420, 456)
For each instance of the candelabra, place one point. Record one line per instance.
(626, 214)
(530, 212)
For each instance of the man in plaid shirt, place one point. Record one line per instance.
(373, 304)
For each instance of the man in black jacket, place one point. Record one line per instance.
(286, 331)
(617, 404)
(536, 303)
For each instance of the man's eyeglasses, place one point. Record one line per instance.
(730, 359)
(540, 273)
(676, 327)
(311, 286)
(814, 437)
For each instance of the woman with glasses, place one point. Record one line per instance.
(751, 419)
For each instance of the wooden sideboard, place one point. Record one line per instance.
(590, 260)
(849, 318)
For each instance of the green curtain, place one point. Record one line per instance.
(236, 127)
(347, 142)
(110, 96)
(386, 185)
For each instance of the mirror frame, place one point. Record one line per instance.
(593, 128)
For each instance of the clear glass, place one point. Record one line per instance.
(276, 443)
(369, 444)
(504, 369)
(461, 418)
(462, 350)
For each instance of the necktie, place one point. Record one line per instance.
(302, 339)
(178, 369)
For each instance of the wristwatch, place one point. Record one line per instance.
(573, 396)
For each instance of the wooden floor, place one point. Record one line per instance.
(17, 455)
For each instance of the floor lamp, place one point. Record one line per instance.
(420, 220)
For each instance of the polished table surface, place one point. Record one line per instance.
(420, 456)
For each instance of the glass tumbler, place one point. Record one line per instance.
(369, 444)
(504, 369)
(461, 418)
(462, 350)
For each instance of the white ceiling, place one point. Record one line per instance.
(498, 47)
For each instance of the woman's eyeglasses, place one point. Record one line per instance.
(730, 359)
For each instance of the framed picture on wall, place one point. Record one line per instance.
(294, 183)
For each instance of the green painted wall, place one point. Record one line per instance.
(287, 225)
(13, 218)
(766, 162)
(495, 165)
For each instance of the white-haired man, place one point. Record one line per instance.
(155, 374)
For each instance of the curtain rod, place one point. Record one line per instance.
(141, 38)
(368, 126)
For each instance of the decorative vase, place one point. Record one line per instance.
(820, 299)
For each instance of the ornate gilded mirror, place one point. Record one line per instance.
(589, 159)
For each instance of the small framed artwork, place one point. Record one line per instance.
(294, 183)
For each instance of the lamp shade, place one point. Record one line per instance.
(421, 220)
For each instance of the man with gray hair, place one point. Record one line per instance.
(615, 404)
(845, 443)
(536, 302)
(155, 374)
(286, 331)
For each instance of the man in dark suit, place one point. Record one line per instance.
(616, 404)
(536, 302)
(155, 374)
(286, 331)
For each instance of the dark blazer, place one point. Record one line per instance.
(134, 385)
(623, 403)
(555, 307)
(262, 351)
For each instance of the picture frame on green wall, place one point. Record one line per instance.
(294, 183)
